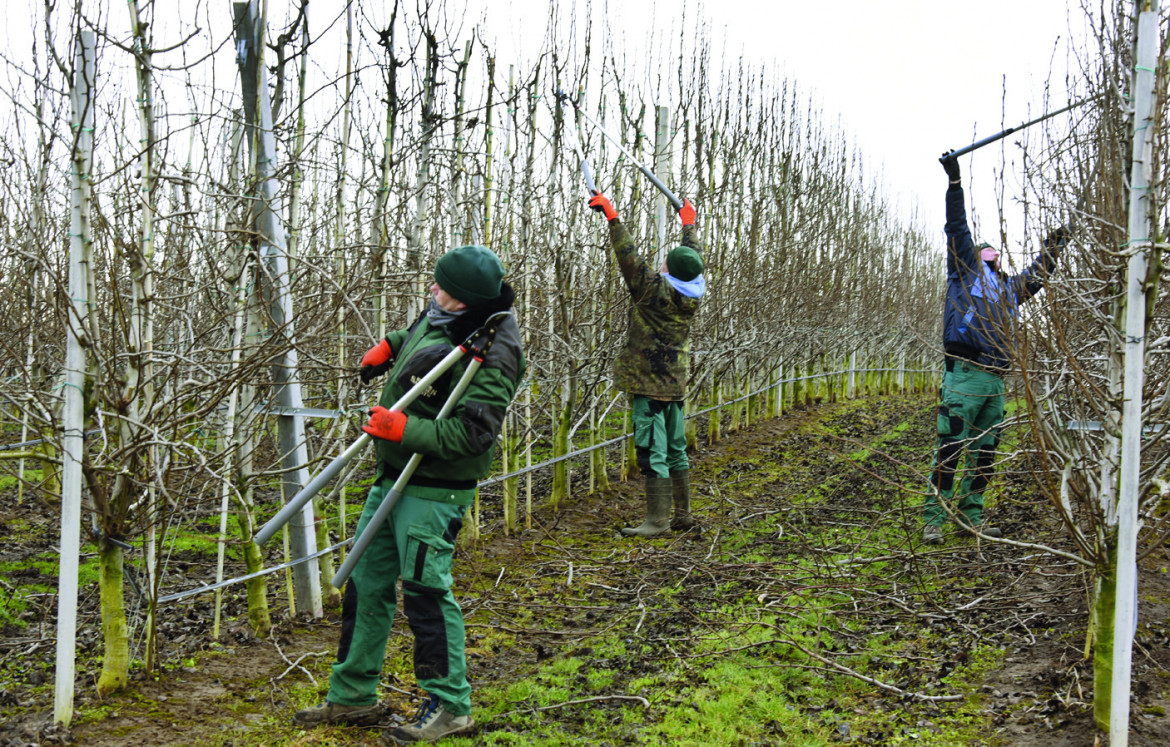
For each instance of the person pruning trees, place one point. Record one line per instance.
(979, 329)
(653, 366)
(418, 538)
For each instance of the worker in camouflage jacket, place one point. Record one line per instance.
(979, 331)
(418, 539)
(653, 366)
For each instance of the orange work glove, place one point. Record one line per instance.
(601, 204)
(386, 424)
(376, 361)
(686, 213)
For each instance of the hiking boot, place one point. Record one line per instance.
(989, 531)
(658, 497)
(334, 713)
(932, 535)
(431, 722)
(680, 483)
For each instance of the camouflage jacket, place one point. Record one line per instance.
(656, 359)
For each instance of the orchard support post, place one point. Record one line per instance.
(275, 276)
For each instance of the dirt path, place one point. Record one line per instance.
(769, 499)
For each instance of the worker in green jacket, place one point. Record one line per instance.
(653, 366)
(418, 539)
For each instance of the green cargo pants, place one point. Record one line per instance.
(660, 439)
(416, 543)
(970, 410)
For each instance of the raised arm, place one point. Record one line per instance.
(961, 253)
(637, 273)
(690, 234)
(1034, 277)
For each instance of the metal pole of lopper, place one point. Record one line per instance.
(575, 142)
(1010, 130)
(333, 468)
(649, 174)
(487, 333)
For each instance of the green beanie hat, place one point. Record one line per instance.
(471, 274)
(684, 263)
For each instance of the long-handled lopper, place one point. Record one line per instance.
(561, 95)
(331, 470)
(478, 345)
(1010, 130)
(575, 141)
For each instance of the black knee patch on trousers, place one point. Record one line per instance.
(983, 467)
(421, 604)
(949, 451)
(644, 461)
(348, 619)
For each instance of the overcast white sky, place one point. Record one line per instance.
(907, 79)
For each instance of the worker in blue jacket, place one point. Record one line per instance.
(979, 334)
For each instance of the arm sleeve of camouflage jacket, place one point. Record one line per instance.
(637, 273)
(690, 237)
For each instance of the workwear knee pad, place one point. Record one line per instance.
(421, 604)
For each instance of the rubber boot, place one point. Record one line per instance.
(657, 509)
(680, 482)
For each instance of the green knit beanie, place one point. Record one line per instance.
(471, 274)
(683, 263)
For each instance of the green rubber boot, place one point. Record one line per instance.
(681, 485)
(658, 496)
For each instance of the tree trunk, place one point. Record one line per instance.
(116, 655)
(1103, 609)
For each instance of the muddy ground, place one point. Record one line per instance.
(1034, 608)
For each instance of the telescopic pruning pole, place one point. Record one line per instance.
(333, 468)
(649, 174)
(1010, 130)
(362, 541)
(575, 141)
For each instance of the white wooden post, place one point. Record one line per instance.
(273, 253)
(853, 374)
(73, 414)
(1140, 227)
(662, 162)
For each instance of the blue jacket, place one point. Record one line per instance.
(979, 320)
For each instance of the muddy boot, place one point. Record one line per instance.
(333, 713)
(932, 535)
(989, 531)
(431, 723)
(681, 485)
(657, 509)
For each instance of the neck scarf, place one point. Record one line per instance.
(437, 316)
(694, 288)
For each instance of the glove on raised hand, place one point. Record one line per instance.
(1057, 240)
(386, 424)
(376, 361)
(951, 166)
(686, 213)
(601, 204)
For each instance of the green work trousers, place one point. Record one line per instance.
(660, 439)
(416, 543)
(970, 411)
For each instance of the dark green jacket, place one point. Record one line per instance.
(458, 449)
(656, 359)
